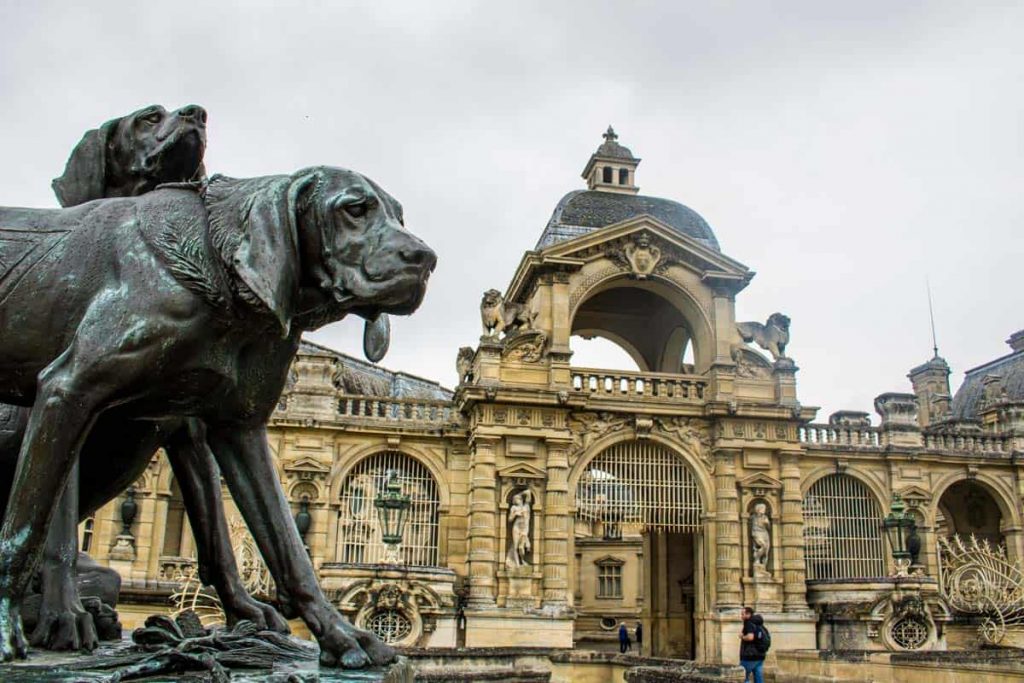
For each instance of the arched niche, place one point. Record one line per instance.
(968, 508)
(654, 321)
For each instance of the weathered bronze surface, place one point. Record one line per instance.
(186, 304)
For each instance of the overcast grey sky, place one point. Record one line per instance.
(844, 151)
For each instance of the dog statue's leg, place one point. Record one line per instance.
(196, 473)
(63, 623)
(245, 461)
(66, 403)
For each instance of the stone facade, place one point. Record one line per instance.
(668, 496)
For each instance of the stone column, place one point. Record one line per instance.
(728, 565)
(483, 519)
(557, 525)
(794, 589)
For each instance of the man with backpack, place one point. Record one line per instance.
(754, 643)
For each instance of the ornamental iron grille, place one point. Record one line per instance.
(639, 483)
(977, 578)
(842, 530)
(359, 533)
(390, 625)
(910, 633)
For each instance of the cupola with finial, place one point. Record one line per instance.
(612, 168)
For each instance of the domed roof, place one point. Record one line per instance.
(584, 211)
(611, 149)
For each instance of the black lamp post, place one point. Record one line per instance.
(392, 506)
(899, 526)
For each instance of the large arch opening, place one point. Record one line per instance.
(967, 508)
(638, 538)
(657, 327)
(359, 537)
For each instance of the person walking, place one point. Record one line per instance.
(639, 638)
(754, 641)
(624, 644)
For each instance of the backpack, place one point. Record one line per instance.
(763, 641)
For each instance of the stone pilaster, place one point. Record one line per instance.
(728, 560)
(557, 525)
(794, 588)
(483, 521)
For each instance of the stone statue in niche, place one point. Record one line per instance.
(519, 531)
(771, 336)
(761, 539)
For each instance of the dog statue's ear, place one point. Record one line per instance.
(267, 258)
(85, 174)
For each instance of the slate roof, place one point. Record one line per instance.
(365, 378)
(1009, 369)
(584, 211)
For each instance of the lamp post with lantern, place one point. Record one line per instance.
(392, 506)
(899, 527)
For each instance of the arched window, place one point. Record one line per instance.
(642, 483)
(87, 530)
(842, 530)
(359, 534)
(606, 174)
(623, 176)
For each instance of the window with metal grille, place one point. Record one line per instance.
(842, 530)
(641, 483)
(609, 580)
(359, 533)
(87, 530)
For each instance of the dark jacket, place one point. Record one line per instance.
(751, 650)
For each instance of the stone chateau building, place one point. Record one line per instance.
(551, 502)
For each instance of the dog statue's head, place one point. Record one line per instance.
(131, 155)
(319, 244)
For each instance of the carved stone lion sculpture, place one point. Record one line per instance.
(500, 316)
(772, 336)
(464, 363)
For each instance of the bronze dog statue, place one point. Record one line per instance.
(131, 155)
(178, 305)
(60, 621)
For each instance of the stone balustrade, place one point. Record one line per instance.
(874, 437)
(383, 409)
(618, 384)
(835, 435)
(972, 443)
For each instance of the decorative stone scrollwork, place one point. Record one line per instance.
(527, 346)
(750, 364)
(692, 433)
(399, 612)
(588, 427)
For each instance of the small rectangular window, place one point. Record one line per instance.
(623, 176)
(609, 581)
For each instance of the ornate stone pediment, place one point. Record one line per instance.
(760, 484)
(305, 465)
(521, 470)
(527, 346)
(914, 496)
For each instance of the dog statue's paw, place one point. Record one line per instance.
(12, 636)
(247, 608)
(64, 627)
